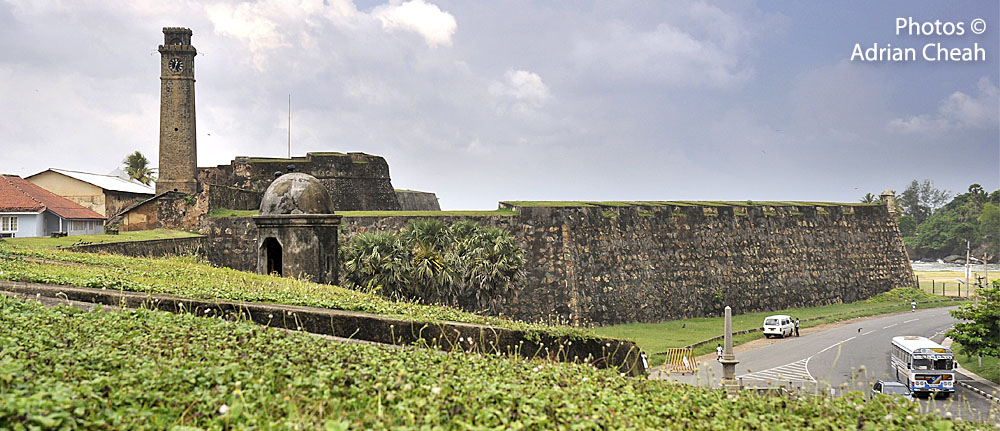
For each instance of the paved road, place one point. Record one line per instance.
(852, 357)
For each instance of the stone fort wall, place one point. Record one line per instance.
(356, 181)
(608, 265)
(411, 200)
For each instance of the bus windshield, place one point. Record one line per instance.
(932, 364)
(943, 364)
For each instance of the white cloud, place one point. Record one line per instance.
(246, 21)
(958, 111)
(436, 26)
(693, 44)
(520, 92)
(268, 26)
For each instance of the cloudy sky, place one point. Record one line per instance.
(482, 101)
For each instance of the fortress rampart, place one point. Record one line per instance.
(356, 181)
(647, 262)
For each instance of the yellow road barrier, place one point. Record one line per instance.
(680, 360)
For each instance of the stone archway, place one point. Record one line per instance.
(271, 249)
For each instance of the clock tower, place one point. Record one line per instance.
(178, 141)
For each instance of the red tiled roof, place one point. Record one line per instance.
(17, 194)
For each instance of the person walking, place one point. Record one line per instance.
(913, 306)
(718, 352)
(796, 326)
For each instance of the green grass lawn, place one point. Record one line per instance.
(223, 212)
(189, 277)
(62, 368)
(990, 370)
(654, 338)
(945, 281)
(52, 243)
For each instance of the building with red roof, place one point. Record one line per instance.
(28, 210)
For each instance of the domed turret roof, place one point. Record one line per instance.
(296, 193)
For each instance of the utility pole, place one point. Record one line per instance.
(968, 266)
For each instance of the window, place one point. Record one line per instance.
(8, 224)
(79, 225)
(943, 364)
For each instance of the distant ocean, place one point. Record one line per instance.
(936, 266)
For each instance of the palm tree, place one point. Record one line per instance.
(377, 262)
(137, 168)
(432, 275)
(466, 265)
(492, 264)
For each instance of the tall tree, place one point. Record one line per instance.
(981, 334)
(137, 168)
(919, 200)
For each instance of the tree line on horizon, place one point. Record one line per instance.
(935, 224)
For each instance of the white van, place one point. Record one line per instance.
(780, 325)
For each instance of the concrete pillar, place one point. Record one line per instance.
(728, 358)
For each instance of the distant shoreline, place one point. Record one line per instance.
(937, 266)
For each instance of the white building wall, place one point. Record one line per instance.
(83, 227)
(28, 224)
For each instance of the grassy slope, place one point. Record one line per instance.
(947, 280)
(52, 243)
(990, 369)
(153, 370)
(184, 276)
(656, 337)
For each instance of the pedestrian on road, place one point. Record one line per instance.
(913, 306)
(796, 326)
(718, 351)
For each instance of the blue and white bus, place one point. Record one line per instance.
(923, 365)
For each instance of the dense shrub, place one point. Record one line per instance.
(464, 264)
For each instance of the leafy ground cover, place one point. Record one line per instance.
(188, 277)
(221, 212)
(657, 337)
(990, 370)
(66, 241)
(67, 369)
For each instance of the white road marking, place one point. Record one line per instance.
(869, 332)
(911, 320)
(828, 348)
(887, 327)
(797, 371)
(834, 345)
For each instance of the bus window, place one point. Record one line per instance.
(921, 364)
(943, 364)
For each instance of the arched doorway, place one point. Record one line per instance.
(272, 255)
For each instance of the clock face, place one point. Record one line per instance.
(176, 65)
